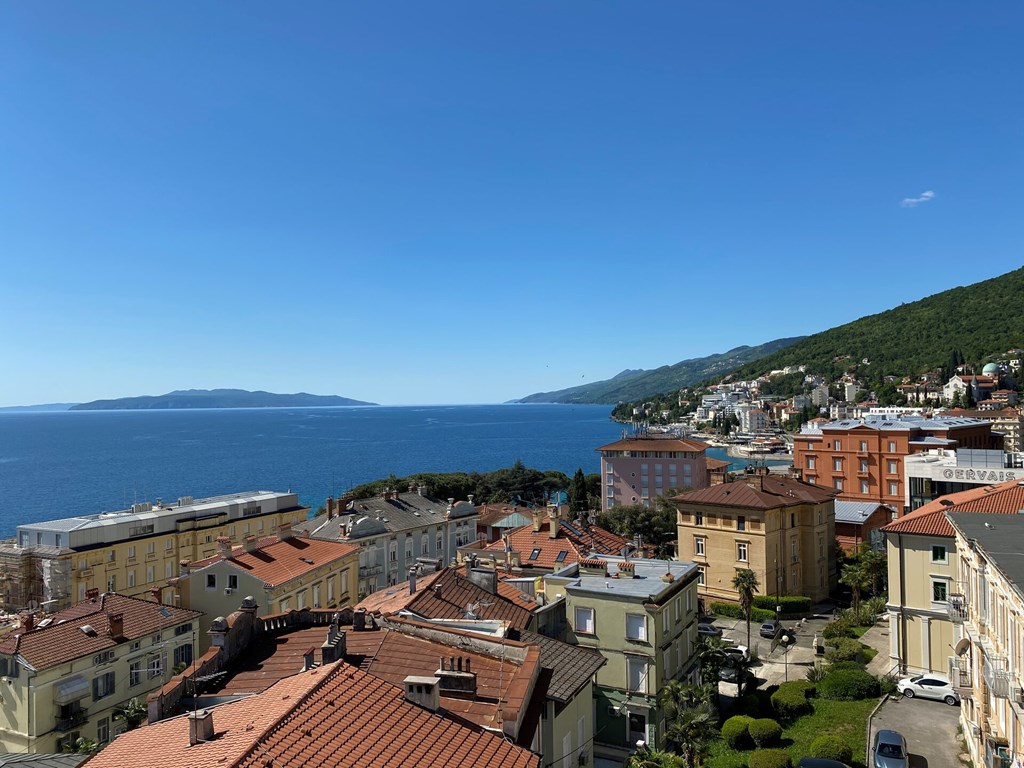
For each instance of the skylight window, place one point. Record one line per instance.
(534, 554)
(561, 556)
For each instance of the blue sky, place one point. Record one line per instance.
(414, 202)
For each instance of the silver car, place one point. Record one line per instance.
(889, 750)
(928, 686)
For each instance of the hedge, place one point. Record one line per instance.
(849, 685)
(765, 732)
(769, 758)
(831, 747)
(790, 700)
(735, 731)
(791, 604)
(837, 628)
(733, 611)
(750, 704)
(846, 649)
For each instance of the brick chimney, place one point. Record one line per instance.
(250, 543)
(28, 621)
(330, 508)
(284, 531)
(224, 547)
(116, 623)
(92, 593)
(200, 727)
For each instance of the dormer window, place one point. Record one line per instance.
(534, 554)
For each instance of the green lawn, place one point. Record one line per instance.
(858, 632)
(847, 719)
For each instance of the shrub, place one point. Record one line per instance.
(769, 758)
(848, 685)
(875, 605)
(831, 747)
(765, 732)
(790, 700)
(750, 704)
(733, 611)
(888, 684)
(735, 731)
(837, 628)
(846, 649)
(791, 604)
(815, 673)
(835, 666)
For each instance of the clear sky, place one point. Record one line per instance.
(427, 202)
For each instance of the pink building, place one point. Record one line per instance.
(636, 470)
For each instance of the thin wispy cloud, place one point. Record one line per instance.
(913, 202)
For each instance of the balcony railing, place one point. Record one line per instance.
(956, 607)
(370, 570)
(996, 675)
(75, 719)
(960, 676)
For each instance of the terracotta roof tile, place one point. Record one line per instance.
(576, 543)
(771, 492)
(656, 444)
(59, 642)
(930, 520)
(277, 561)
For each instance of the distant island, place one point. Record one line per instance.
(216, 398)
(41, 408)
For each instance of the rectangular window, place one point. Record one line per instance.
(131, 551)
(103, 730)
(863, 446)
(150, 548)
(232, 581)
(134, 673)
(837, 464)
(131, 579)
(155, 666)
(168, 545)
(666, 619)
(894, 488)
(344, 582)
(940, 589)
(211, 581)
(150, 574)
(58, 540)
(168, 570)
(938, 554)
(741, 523)
(863, 486)
(863, 465)
(892, 446)
(701, 570)
(183, 655)
(636, 674)
(102, 686)
(585, 621)
(810, 462)
(892, 467)
(838, 483)
(698, 518)
(741, 551)
(112, 584)
(636, 626)
(698, 545)
(837, 445)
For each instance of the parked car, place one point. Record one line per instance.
(889, 750)
(708, 630)
(928, 687)
(771, 628)
(728, 674)
(736, 652)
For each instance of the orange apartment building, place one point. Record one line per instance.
(862, 459)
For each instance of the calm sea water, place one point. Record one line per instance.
(82, 462)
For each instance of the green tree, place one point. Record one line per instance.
(82, 746)
(578, 497)
(691, 720)
(656, 525)
(875, 564)
(745, 583)
(856, 577)
(654, 758)
(710, 653)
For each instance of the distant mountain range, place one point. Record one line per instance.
(638, 384)
(37, 408)
(216, 398)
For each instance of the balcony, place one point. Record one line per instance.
(996, 675)
(370, 570)
(960, 677)
(71, 720)
(956, 607)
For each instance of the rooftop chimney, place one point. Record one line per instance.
(330, 508)
(92, 593)
(536, 520)
(250, 543)
(200, 727)
(28, 621)
(116, 623)
(485, 578)
(553, 520)
(455, 678)
(423, 691)
(284, 531)
(412, 581)
(224, 547)
(359, 619)
(184, 567)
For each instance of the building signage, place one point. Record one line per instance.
(986, 475)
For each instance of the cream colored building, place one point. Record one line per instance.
(132, 551)
(641, 615)
(780, 528)
(63, 678)
(924, 571)
(988, 614)
(281, 574)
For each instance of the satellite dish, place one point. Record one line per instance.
(962, 647)
(33, 605)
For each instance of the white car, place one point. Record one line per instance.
(736, 652)
(928, 686)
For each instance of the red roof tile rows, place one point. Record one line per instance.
(930, 520)
(277, 561)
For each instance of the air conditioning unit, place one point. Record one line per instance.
(229, 591)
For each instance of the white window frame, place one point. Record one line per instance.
(644, 674)
(945, 553)
(638, 630)
(743, 551)
(584, 621)
(699, 545)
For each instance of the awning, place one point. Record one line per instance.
(71, 689)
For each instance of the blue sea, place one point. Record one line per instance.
(82, 462)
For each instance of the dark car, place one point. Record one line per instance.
(708, 630)
(771, 628)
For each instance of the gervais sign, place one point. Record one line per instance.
(988, 475)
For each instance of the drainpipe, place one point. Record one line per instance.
(903, 606)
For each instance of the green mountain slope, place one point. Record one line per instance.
(216, 398)
(638, 384)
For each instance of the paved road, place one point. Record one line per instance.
(929, 728)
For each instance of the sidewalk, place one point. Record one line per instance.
(878, 638)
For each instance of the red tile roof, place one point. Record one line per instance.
(445, 595)
(771, 492)
(64, 640)
(277, 561)
(576, 543)
(492, 514)
(714, 464)
(334, 715)
(656, 444)
(930, 520)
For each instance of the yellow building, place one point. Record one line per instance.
(62, 678)
(987, 661)
(641, 615)
(780, 528)
(132, 551)
(280, 574)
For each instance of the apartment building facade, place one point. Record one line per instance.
(641, 615)
(862, 459)
(636, 470)
(132, 551)
(66, 675)
(780, 528)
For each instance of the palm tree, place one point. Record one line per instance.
(856, 577)
(653, 758)
(690, 720)
(82, 746)
(745, 583)
(132, 712)
(875, 563)
(710, 652)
